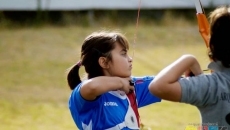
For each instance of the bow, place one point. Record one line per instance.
(202, 22)
(137, 24)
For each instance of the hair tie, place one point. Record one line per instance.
(79, 64)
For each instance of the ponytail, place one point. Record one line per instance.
(73, 77)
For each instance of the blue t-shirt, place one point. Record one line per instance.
(111, 110)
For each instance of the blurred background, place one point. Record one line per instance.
(90, 12)
(41, 39)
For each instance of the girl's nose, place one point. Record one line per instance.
(130, 59)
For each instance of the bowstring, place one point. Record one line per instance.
(136, 29)
(134, 47)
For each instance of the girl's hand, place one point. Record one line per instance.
(127, 85)
(188, 73)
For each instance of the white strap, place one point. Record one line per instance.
(130, 120)
(118, 126)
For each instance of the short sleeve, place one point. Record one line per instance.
(199, 90)
(77, 101)
(144, 97)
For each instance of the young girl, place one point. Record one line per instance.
(108, 99)
(210, 93)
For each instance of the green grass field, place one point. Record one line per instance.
(33, 87)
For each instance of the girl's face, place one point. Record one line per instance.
(121, 64)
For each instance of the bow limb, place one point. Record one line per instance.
(202, 22)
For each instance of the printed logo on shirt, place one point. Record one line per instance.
(225, 97)
(110, 104)
(205, 126)
(139, 81)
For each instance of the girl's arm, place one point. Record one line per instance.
(166, 86)
(94, 87)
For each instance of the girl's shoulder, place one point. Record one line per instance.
(142, 78)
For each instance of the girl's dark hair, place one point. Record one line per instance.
(219, 36)
(96, 45)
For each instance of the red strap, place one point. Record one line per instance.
(132, 99)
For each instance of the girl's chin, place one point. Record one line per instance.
(125, 76)
(128, 74)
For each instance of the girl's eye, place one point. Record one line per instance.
(124, 53)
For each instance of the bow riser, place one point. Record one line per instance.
(203, 27)
(202, 22)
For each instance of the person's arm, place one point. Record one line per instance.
(94, 87)
(166, 86)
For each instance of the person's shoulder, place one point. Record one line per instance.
(138, 79)
(77, 88)
(142, 77)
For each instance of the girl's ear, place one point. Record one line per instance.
(103, 62)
